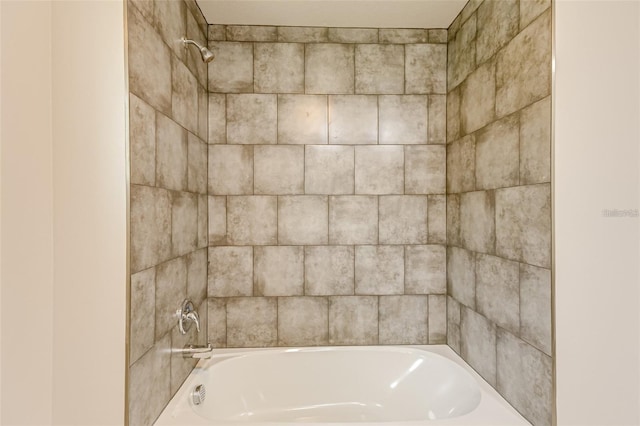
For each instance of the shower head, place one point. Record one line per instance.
(206, 54)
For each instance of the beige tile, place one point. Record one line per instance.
(453, 325)
(461, 53)
(170, 19)
(217, 113)
(453, 115)
(303, 321)
(251, 119)
(171, 290)
(531, 9)
(535, 143)
(142, 137)
(184, 96)
(498, 291)
(278, 169)
(328, 270)
(461, 164)
(203, 113)
(232, 69)
(461, 276)
(145, 7)
(437, 119)
(181, 366)
(478, 344)
(523, 70)
(425, 269)
(329, 68)
(453, 220)
(403, 35)
(379, 270)
(196, 32)
(150, 226)
(143, 313)
(171, 154)
(497, 25)
(353, 320)
(279, 271)
(525, 378)
(497, 154)
(203, 216)
(303, 34)
(379, 169)
(353, 220)
(278, 67)
(252, 220)
(303, 219)
(478, 98)
(379, 69)
(230, 271)
(437, 219)
(197, 165)
(523, 224)
(437, 319)
(353, 35)
(437, 36)
(252, 322)
(149, 63)
(403, 219)
(302, 119)
(184, 223)
(217, 322)
(425, 169)
(404, 320)
(197, 276)
(470, 7)
(426, 68)
(150, 383)
(329, 169)
(478, 221)
(403, 119)
(217, 222)
(353, 120)
(251, 33)
(230, 169)
(535, 306)
(216, 32)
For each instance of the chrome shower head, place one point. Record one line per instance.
(206, 54)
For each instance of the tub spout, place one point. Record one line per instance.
(197, 352)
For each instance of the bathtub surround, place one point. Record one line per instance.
(326, 186)
(499, 198)
(168, 201)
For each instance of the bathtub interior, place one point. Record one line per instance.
(394, 387)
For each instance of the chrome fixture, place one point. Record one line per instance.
(199, 394)
(206, 54)
(194, 351)
(187, 315)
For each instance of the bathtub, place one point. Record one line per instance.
(367, 385)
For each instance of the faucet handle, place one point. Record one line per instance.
(187, 315)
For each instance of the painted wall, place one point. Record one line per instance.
(63, 218)
(597, 111)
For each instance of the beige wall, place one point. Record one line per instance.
(596, 168)
(63, 218)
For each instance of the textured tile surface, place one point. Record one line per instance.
(535, 143)
(353, 220)
(425, 169)
(171, 290)
(404, 319)
(497, 153)
(461, 276)
(150, 226)
(328, 270)
(379, 69)
(257, 329)
(329, 169)
(478, 344)
(142, 320)
(278, 170)
(230, 169)
(379, 270)
(303, 321)
(171, 154)
(142, 136)
(329, 68)
(230, 271)
(302, 119)
(252, 220)
(437, 219)
(279, 67)
(303, 219)
(535, 307)
(217, 118)
(437, 319)
(497, 25)
(403, 219)
(217, 222)
(279, 271)
(461, 163)
(184, 223)
(353, 320)
(425, 269)
(232, 69)
(379, 169)
(353, 120)
(477, 221)
(426, 68)
(498, 291)
(478, 98)
(403, 119)
(251, 119)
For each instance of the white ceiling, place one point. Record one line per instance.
(334, 13)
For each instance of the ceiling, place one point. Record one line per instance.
(334, 13)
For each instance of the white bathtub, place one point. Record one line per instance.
(370, 385)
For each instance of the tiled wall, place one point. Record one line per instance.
(168, 201)
(499, 200)
(326, 186)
